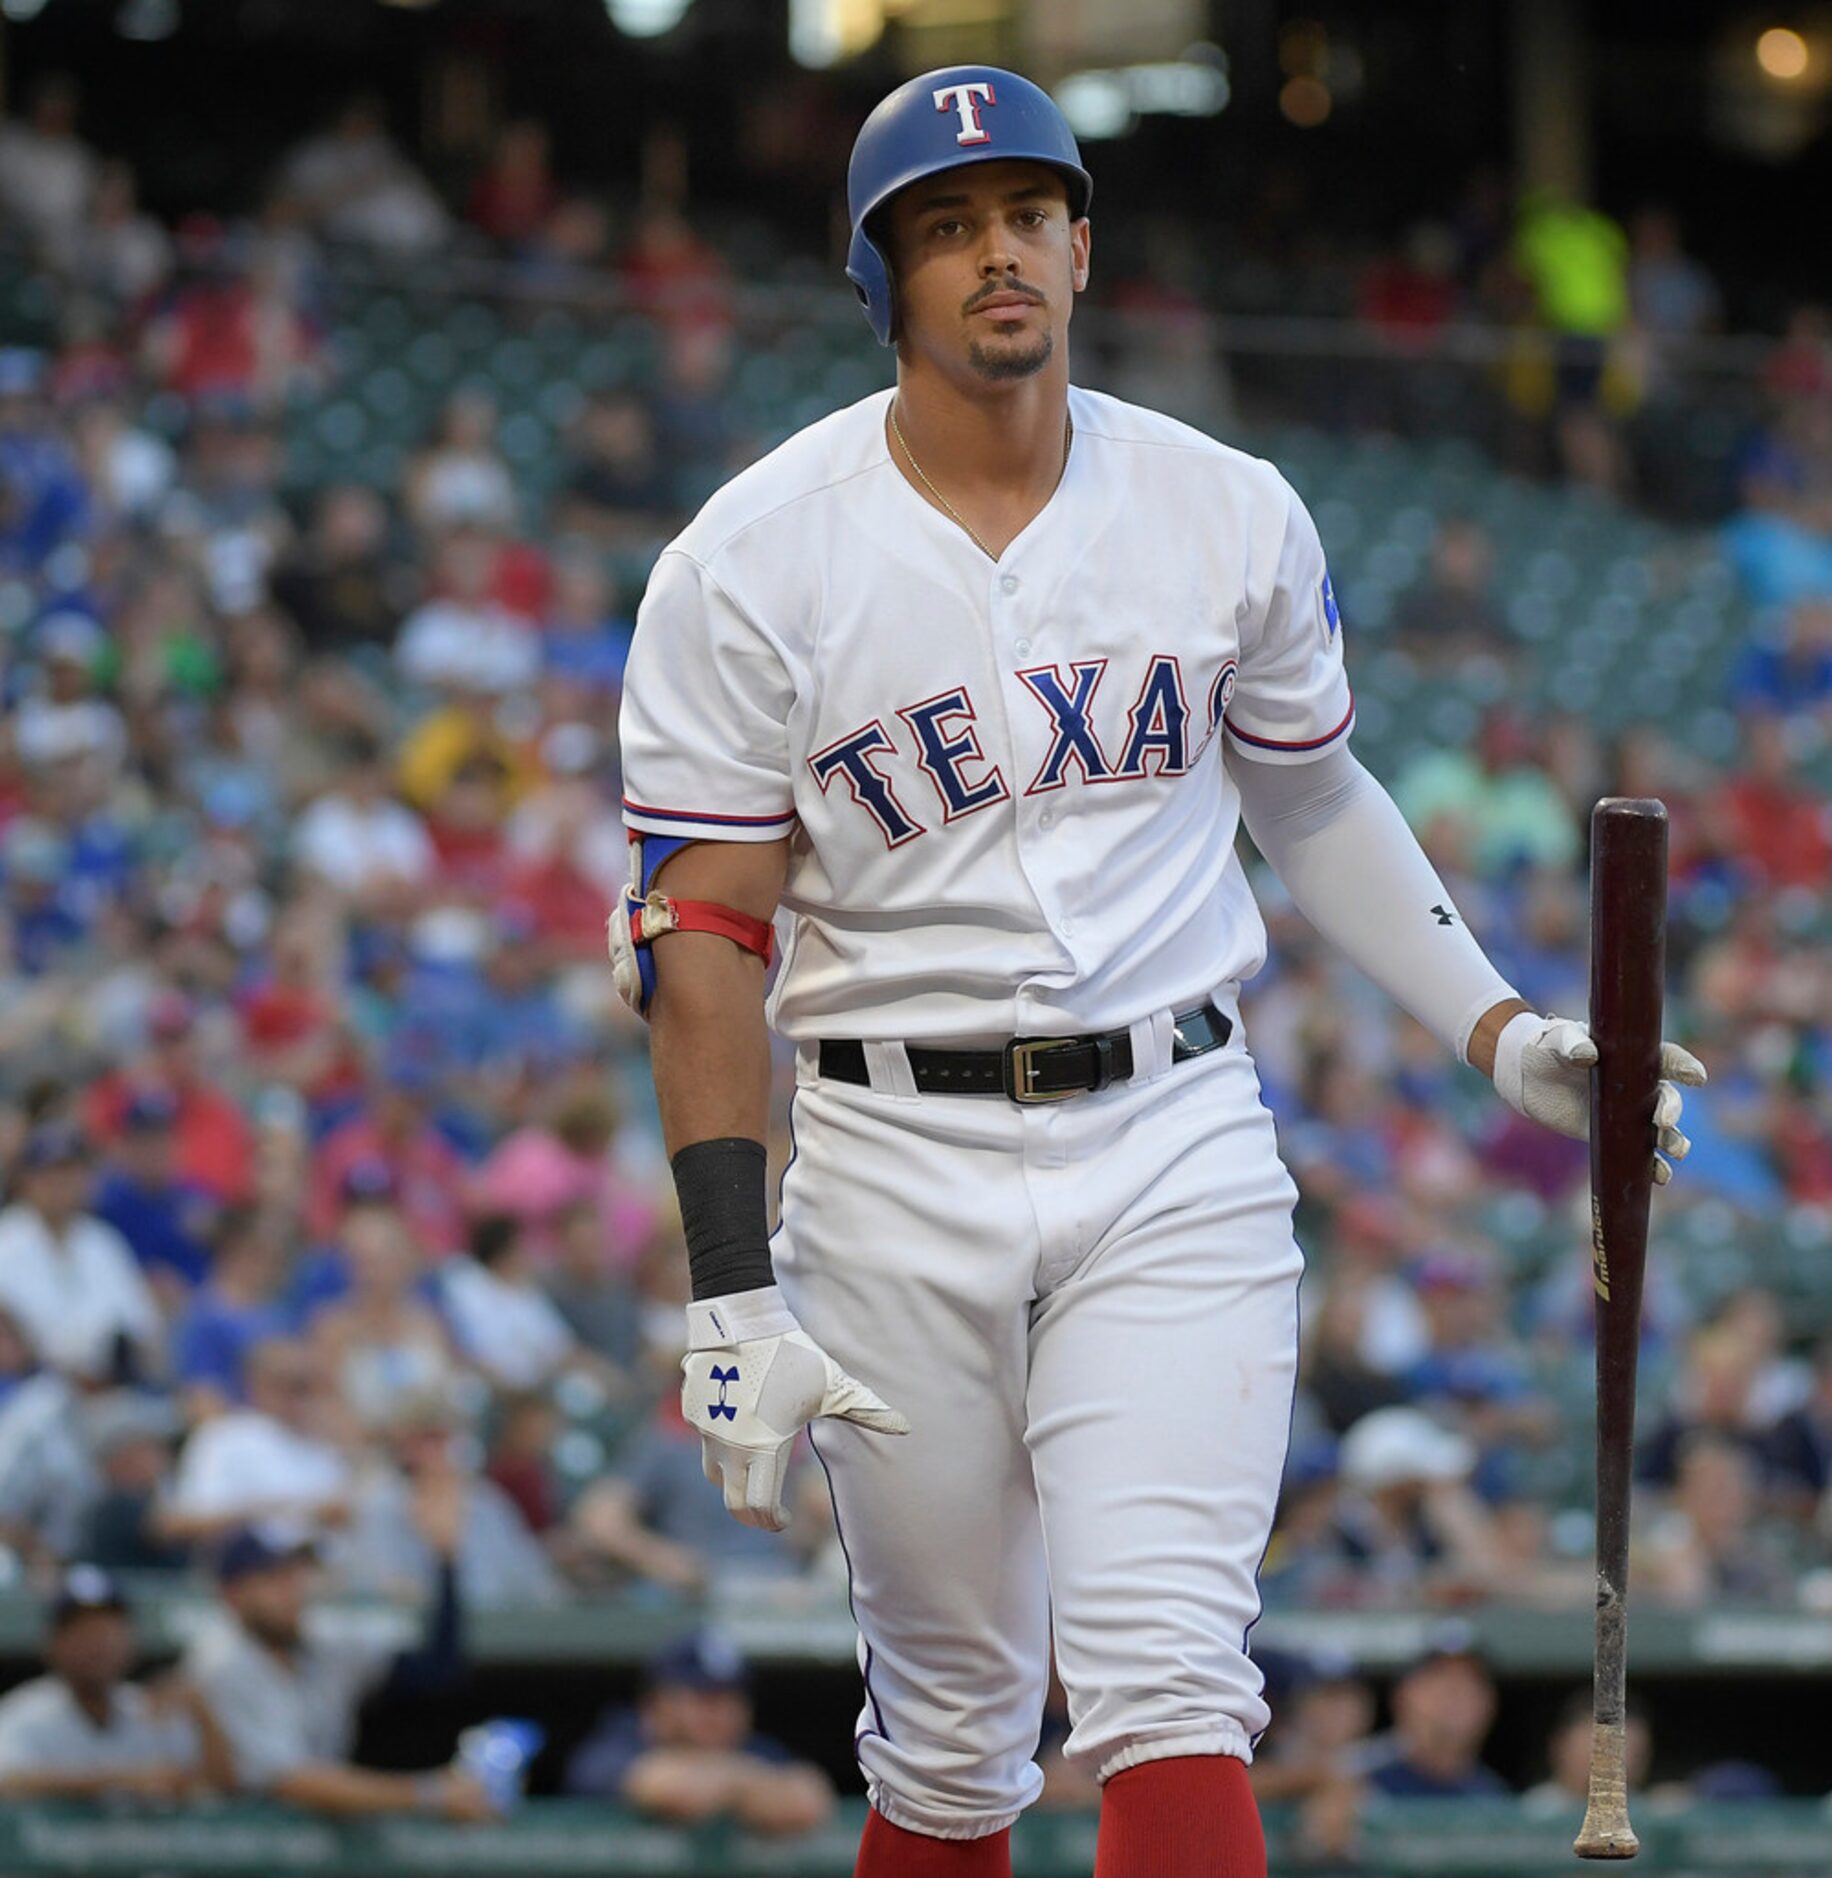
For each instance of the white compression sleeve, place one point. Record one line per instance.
(1332, 834)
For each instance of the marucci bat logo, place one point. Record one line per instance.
(1599, 1258)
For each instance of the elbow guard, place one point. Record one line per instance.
(643, 914)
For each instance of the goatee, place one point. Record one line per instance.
(999, 363)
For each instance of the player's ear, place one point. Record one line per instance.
(1080, 234)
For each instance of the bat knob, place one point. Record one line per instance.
(1608, 1841)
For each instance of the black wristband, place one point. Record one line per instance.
(724, 1215)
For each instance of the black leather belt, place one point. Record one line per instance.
(1032, 1069)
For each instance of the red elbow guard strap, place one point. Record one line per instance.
(661, 913)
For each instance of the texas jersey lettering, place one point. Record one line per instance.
(925, 719)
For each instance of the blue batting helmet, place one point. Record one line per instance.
(960, 114)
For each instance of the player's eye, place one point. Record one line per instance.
(952, 226)
(1032, 218)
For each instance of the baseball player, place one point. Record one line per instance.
(965, 690)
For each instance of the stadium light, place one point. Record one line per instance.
(22, 9)
(646, 19)
(823, 32)
(1783, 54)
(1110, 103)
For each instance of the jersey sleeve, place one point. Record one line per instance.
(1291, 699)
(704, 725)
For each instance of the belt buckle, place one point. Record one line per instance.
(1021, 1069)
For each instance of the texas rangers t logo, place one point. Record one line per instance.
(965, 100)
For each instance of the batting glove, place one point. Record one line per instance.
(1542, 1069)
(754, 1380)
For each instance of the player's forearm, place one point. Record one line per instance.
(1358, 874)
(708, 1043)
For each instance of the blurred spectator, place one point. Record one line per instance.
(1789, 672)
(616, 487)
(585, 640)
(414, 1487)
(285, 1691)
(675, 276)
(47, 173)
(68, 1278)
(1451, 614)
(464, 639)
(689, 1751)
(540, 1171)
(47, 1476)
(131, 1437)
(118, 252)
(339, 582)
(503, 1321)
(214, 1143)
(593, 1294)
(350, 182)
(1710, 1544)
(236, 1308)
(82, 1731)
(276, 1458)
(1766, 819)
(1408, 1521)
(381, 1342)
(233, 338)
(357, 836)
(521, 1462)
(1472, 1371)
(163, 1218)
(395, 1138)
(1443, 1709)
(1407, 295)
(514, 195)
(651, 1517)
(460, 479)
(66, 718)
(1507, 809)
(1565, 1792)
(1672, 295)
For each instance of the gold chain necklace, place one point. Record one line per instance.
(922, 476)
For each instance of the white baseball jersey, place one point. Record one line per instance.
(1005, 781)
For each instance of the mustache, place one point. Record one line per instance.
(993, 288)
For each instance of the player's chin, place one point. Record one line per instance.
(1021, 352)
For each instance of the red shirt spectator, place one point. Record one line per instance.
(398, 1135)
(514, 196)
(213, 1143)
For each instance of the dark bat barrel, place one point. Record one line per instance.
(1628, 884)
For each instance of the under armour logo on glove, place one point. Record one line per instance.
(724, 1378)
(1445, 916)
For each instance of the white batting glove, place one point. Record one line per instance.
(1542, 1070)
(754, 1380)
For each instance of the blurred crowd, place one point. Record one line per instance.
(337, 1251)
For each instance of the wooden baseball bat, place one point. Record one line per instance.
(1628, 944)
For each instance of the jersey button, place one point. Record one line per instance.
(1022, 648)
(1066, 927)
(1047, 819)
(1008, 583)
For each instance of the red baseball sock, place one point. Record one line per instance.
(887, 1851)
(1192, 1817)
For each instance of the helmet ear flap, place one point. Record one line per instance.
(870, 275)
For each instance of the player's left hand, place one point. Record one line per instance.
(1542, 1070)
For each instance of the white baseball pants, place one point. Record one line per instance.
(1088, 1311)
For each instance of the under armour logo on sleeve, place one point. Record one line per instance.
(1445, 918)
(724, 1378)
